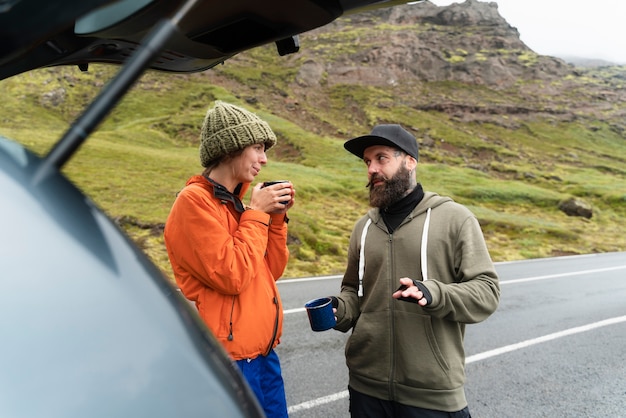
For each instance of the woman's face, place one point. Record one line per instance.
(247, 165)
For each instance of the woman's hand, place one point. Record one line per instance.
(274, 199)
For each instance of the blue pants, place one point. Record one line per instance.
(264, 377)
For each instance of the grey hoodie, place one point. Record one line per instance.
(401, 351)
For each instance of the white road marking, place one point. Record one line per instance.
(502, 283)
(308, 279)
(555, 276)
(317, 402)
(290, 311)
(543, 339)
(478, 357)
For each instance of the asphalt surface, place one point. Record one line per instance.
(554, 348)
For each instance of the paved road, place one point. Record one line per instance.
(554, 348)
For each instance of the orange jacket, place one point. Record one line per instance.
(228, 262)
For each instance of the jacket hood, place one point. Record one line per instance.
(199, 179)
(430, 200)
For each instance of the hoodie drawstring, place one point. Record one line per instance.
(362, 256)
(423, 255)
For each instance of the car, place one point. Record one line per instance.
(90, 327)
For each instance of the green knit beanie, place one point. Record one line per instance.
(228, 128)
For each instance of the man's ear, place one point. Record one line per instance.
(411, 163)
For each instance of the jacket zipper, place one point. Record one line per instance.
(269, 348)
(230, 325)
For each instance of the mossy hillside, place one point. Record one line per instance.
(512, 175)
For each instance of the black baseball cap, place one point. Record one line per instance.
(391, 135)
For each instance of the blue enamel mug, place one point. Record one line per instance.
(320, 312)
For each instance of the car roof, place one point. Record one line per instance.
(39, 33)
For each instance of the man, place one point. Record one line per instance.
(227, 256)
(407, 359)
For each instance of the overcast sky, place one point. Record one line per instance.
(587, 29)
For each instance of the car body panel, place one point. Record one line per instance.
(90, 327)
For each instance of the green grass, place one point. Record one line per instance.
(511, 172)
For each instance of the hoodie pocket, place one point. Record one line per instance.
(368, 349)
(419, 361)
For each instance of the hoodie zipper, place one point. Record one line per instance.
(392, 374)
(424, 271)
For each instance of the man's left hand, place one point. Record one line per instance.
(412, 291)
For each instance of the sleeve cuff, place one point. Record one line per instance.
(427, 295)
(279, 218)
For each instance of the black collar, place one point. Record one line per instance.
(220, 192)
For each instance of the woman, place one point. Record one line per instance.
(227, 256)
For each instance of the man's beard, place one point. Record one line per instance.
(392, 190)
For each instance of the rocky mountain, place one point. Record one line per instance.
(587, 62)
(466, 42)
(409, 50)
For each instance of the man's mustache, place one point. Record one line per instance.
(374, 178)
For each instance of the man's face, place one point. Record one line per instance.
(388, 174)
